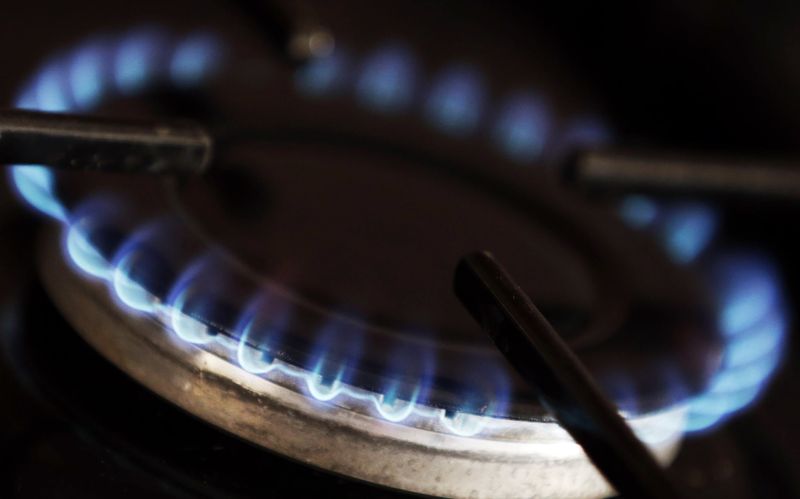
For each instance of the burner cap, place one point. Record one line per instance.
(423, 450)
(338, 259)
(304, 289)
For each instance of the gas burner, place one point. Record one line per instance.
(237, 297)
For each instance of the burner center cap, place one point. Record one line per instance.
(378, 236)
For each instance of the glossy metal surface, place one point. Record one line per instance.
(510, 458)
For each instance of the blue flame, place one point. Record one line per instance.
(260, 327)
(620, 388)
(760, 341)
(141, 271)
(139, 60)
(746, 292)
(83, 253)
(188, 326)
(750, 313)
(522, 127)
(687, 230)
(639, 211)
(394, 409)
(90, 237)
(253, 360)
(456, 101)
(324, 389)
(753, 321)
(97, 70)
(130, 262)
(323, 75)
(130, 291)
(327, 369)
(52, 88)
(80, 79)
(387, 80)
(463, 423)
(27, 100)
(35, 184)
(263, 323)
(195, 59)
(88, 74)
(184, 317)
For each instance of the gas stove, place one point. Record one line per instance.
(284, 323)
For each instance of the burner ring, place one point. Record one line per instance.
(42, 186)
(91, 254)
(509, 458)
(156, 270)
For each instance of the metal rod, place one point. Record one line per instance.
(565, 387)
(89, 143)
(627, 171)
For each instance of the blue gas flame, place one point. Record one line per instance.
(51, 88)
(82, 252)
(261, 327)
(750, 311)
(387, 82)
(265, 320)
(77, 81)
(388, 79)
(687, 230)
(750, 304)
(523, 127)
(326, 381)
(185, 313)
(456, 100)
(323, 76)
(129, 291)
(753, 322)
(639, 211)
(139, 60)
(89, 239)
(36, 185)
(89, 73)
(194, 59)
(139, 270)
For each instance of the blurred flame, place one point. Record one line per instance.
(455, 103)
(102, 67)
(750, 306)
(387, 81)
(750, 312)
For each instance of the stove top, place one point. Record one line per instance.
(291, 310)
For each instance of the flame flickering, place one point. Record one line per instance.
(750, 312)
(142, 278)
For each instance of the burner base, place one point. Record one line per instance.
(509, 458)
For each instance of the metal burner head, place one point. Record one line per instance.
(226, 307)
